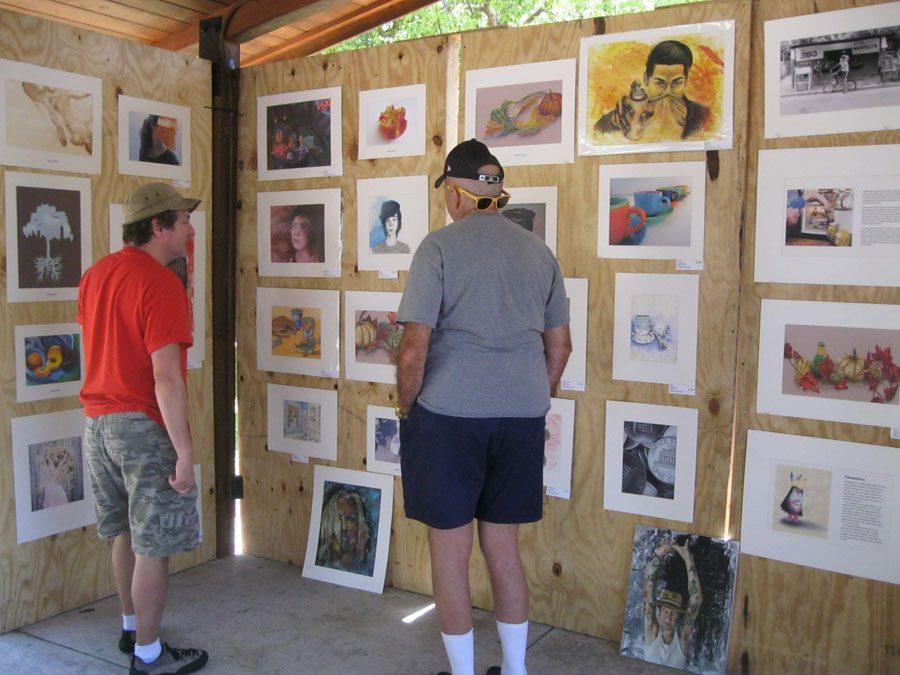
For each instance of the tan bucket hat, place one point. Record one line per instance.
(155, 198)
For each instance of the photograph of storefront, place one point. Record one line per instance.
(862, 63)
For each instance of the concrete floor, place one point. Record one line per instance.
(258, 616)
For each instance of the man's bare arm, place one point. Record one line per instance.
(171, 395)
(695, 596)
(411, 363)
(557, 347)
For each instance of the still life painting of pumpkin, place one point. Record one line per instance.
(851, 364)
(654, 86)
(52, 358)
(377, 337)
(297, 332)
(519, 114)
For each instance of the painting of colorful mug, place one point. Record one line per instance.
(624, 220)
(652, 202)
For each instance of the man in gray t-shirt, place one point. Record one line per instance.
(486, 341)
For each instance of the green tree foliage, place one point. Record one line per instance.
(455, 16)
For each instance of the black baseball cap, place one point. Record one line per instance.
(464, 161)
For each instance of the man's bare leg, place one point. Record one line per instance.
(123, 570)
(500, 545)
(149, 588)
(450, 553)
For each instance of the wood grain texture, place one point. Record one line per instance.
(52, 575)
(278, 492)
(578, 558)
(790, 618)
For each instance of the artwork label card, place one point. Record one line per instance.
(655, 331)
(651, 458)
(299, 233)
(559, 442)
(49, 361)
(829, 361)
(392, 122)
(48, 235)
(821, 503)
(382, 440)
(372, 335)
(524, 113)
(829, 216)
(303, 421)
(154, 139)
(652, 211)
(50, 119)
(53, 492)
(350, 528)
(534, 209)
(573, 377)
(663, 89)
(298, 134)
(680, 599)
(392, 220)
(297, 331)
(833, 72)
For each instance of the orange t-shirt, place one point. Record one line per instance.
(129, 305)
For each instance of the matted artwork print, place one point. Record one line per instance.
(680, 599)
(575, 373)
(651, 458)
(191, 270)
(652, 211)
(48, 235)
(49, 361)
(833, 72)
(830, 361)
(524, 113)
(301, 421)
(655, 331)
(392, 122)
(53, 492)
(297, 331)
(559, 442)
(349, 528)
(154, 139)
(663, 89)
(829, 216)
(392, 220)
(299, 233)
(50, 119)
(534, 209)
(371, 335)
(298, 134)
(826, 504)
(382, 440)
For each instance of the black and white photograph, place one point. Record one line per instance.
(680, 599)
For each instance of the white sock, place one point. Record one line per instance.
(129, 622)
(461, 652)
(148, 653)
(513, 641)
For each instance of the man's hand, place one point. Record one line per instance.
(183, 478)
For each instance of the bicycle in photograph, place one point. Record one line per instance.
(837, 83)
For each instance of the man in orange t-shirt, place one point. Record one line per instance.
(137, 328)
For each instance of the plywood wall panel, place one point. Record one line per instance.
(278, 492)
(790, 618)
(51, 575)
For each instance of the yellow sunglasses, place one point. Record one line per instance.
(484, 203)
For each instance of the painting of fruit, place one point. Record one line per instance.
(52, 359)
(392, 122)
(378, 337)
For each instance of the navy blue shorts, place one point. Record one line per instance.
(455, 469)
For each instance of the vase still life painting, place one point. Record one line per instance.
(659, 89)
(297, 332)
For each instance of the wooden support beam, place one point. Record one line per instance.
(351, 25)
(251, 19)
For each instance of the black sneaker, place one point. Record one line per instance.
(126, 641)
(493, 670)
(171, 661)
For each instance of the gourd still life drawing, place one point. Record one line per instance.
(526, 116)
(378, 331)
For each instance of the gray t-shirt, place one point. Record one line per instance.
(488, 289)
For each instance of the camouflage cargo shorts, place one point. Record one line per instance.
(130, 459)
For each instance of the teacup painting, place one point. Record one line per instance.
(654, 328)
(653, 202)
(625, 221)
